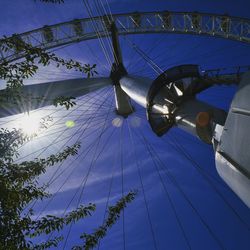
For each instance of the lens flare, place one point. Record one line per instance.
(29, 124)
(135, 122)
(117, 122)
(70, 124)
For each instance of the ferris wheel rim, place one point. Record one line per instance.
(158, 22)
(145, 148)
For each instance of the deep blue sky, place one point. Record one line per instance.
(218, 215)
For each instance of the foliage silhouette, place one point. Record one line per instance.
(19, 181)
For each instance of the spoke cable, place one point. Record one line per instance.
(172, 178)
(138, 164)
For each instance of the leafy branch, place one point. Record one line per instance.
(64, 101)
(19, 181)
(50, 223)
(19, 187)
(14, 74)
(91, 240)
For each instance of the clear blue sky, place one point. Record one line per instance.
(208, 213)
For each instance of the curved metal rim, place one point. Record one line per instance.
(222, 26)
(136, 13)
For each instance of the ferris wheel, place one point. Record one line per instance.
(114, 111)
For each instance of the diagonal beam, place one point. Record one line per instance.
(41, 95)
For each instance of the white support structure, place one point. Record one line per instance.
(232, 143)
(40, 95)
(170, 99)
(137, 88)
(229, 133)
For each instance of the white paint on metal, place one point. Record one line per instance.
(237, 181)
(40, 95)
(233, 151)
(122, 102)
(137, 88)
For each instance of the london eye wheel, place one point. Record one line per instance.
(128, 142)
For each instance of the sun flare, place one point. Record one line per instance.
(29, 124)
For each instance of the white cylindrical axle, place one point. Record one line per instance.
(137, 88)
